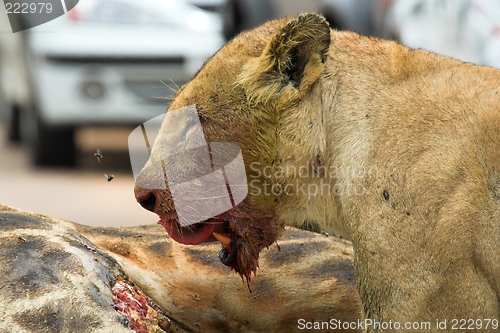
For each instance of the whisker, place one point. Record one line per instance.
(175, 84)
(166, 85)
(165, 98)
(179, 227)
(192, 227)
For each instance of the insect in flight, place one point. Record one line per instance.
(109, 177)
(99, 155)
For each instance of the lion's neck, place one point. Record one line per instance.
(305, 170)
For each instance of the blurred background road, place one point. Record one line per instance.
(84, 80)
(79, 194)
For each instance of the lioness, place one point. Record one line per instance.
(403, 147)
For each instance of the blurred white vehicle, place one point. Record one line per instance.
(106, 62)
(210, 5)
(468, 30)
(362, 16)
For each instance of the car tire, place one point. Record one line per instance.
(51, 146)
(13, 124)
(333, 22)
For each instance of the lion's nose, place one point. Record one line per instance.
(146, 198)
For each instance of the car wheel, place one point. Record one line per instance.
(14, 124)
(333, 22)
(51, 146)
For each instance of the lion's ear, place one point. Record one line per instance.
(291, 62)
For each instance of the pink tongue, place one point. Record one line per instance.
(197, 236)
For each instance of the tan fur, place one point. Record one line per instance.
(416, 133)
(57, 276)
(200, 294)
